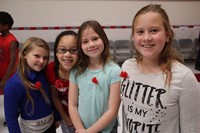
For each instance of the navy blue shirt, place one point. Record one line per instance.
(15, 100)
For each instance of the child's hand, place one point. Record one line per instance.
(57, 123)
(81, 131)
(69, 123)
(2, 84)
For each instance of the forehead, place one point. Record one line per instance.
(88, 31)
(38, 49)
(149, 19)
(68, 40)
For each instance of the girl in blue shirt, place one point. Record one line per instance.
(27, 93)
(94, 89)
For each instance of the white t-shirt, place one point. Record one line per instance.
(150, 106)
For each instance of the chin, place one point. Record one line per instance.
(67, 68)
(37, 70)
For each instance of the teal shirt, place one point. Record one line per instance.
(93, 98)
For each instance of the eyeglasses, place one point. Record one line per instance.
(71, 51)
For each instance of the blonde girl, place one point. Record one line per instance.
(27, 93)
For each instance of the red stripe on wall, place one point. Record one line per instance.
(123, 27)
(68, 27)
(44, 28)
(32, 28)
(190, 26)
(77, 27)
(56, 28)
(112, 27)
(20, 28)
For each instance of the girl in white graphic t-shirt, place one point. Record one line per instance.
(159, 94)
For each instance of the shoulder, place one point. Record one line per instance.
(12, 41)
(50, 72)
(182, 73)
(129, 64)
(14, 85)
(113, 71)
(178, 67)
(50, 68)
(51, 65)
(112, 66)
(11, 37)
(15, 79)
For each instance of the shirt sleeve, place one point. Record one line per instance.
(72, 77)
(189, 104)
(116, 70)
(11, 106)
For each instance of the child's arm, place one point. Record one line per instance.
(13, 56)
(73, 106)
(59, 107)
(12, 96)
(110, 114)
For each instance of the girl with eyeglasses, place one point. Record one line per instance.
(65, 57)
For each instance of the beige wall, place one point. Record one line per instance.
(73, 13)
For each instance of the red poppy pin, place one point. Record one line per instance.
(37, 85)
(58, 84)
(94, 80)
(123, 74)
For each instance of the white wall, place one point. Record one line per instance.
(41, 13)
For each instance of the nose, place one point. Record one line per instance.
(41, 60)
(147, 36)
(67, 53)
(91, 44)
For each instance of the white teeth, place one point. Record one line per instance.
(68, 61)
(147, 46)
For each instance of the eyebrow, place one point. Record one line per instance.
(74, 46)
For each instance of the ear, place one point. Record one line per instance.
(132, 38)
(167, 37)
(25, 58)
(5, 26)
(24, 55)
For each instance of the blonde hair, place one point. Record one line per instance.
(169, 54)
(23, 69)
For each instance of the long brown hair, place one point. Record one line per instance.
(23, 68)
(168, 54)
